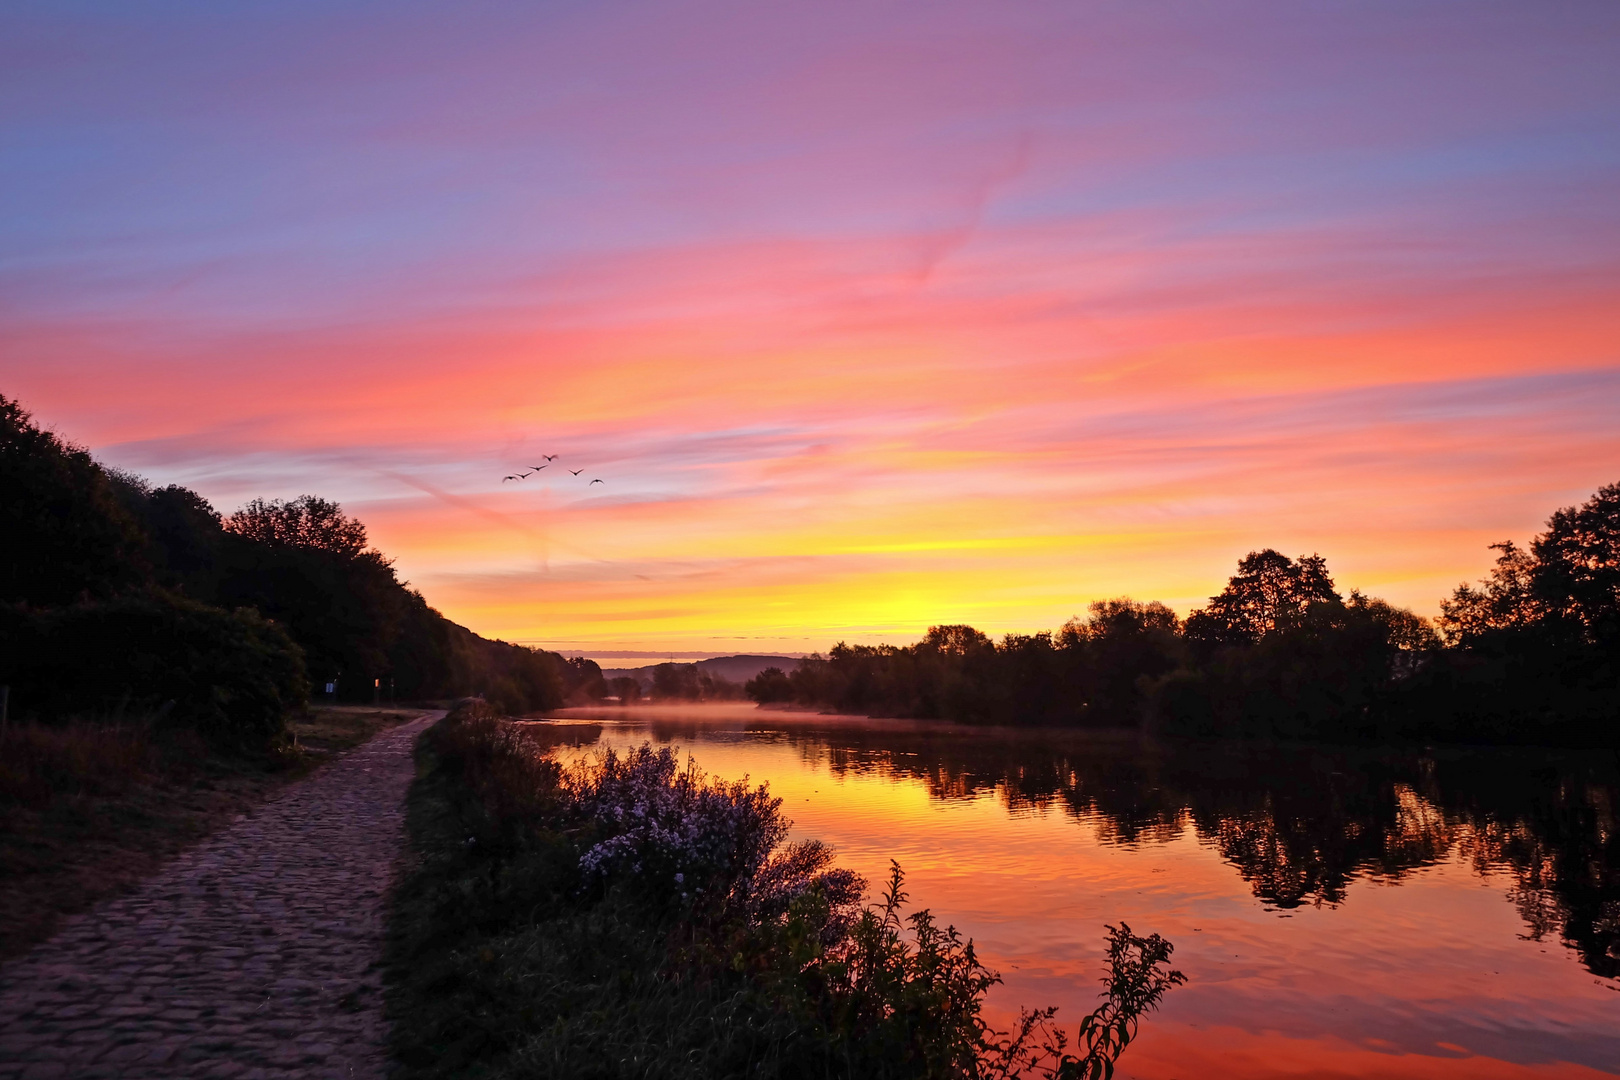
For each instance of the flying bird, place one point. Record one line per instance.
(593, 482)
(575, 472)
(535, 468)
(504, 479)
(549, 457)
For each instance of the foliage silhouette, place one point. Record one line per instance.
(1269, 593)
(1137, 981)
(230, 675)
(67, 535)
(1532, 655)
(94, 549)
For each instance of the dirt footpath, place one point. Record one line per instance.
(254, 954)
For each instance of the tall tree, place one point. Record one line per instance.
(305, 564)
(954, 640)
(309, 522)
(66, 533)
(1577, 572)
(1269, 592)
(1505, 600)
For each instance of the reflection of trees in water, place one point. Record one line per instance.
(1298, 823)
(1554, 828)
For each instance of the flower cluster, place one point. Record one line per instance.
(673, 828)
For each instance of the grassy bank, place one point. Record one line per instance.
(89, 809)
(635, 918)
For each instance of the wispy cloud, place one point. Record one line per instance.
(862, 327)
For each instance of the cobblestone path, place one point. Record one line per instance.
(254, 954)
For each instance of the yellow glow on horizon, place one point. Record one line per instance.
(792, 460)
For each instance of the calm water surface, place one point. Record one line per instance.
(1338, 913)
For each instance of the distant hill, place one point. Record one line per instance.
(737, 669)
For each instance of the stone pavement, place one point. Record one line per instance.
(254, 954)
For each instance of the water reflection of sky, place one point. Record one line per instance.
(1339, 913)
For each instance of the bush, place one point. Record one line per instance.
(230, 676)
(698, 843)
(503, 780)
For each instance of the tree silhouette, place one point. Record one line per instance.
(956, 640)
(1577, 566)
(1505, 600)
(306, 564)
(66, 533)
(770, 685)
(305, 522)
(1270, 592)
(1405, 631)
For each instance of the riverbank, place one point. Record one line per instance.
(1338, 909)
(629, 916)
(88, 812)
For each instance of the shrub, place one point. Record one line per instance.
(229, 675)
(714, 847)
(505, 781)
(1136, 982)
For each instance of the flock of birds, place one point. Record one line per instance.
(549, 458)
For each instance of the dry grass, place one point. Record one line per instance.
(88, 810)
(325, 730)
(41, 765)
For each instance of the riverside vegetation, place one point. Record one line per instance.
(158, 657)
(1531, 655)
(120, 597)
(125, 607)
(632, 917)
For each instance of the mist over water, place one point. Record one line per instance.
(1445, 913)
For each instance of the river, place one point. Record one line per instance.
(1339, 913)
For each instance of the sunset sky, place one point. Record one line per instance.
(869, 315)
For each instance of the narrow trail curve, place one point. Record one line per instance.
(254, 954)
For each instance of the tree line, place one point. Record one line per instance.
(117, 596)
(1531, 654)
(675, 682)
